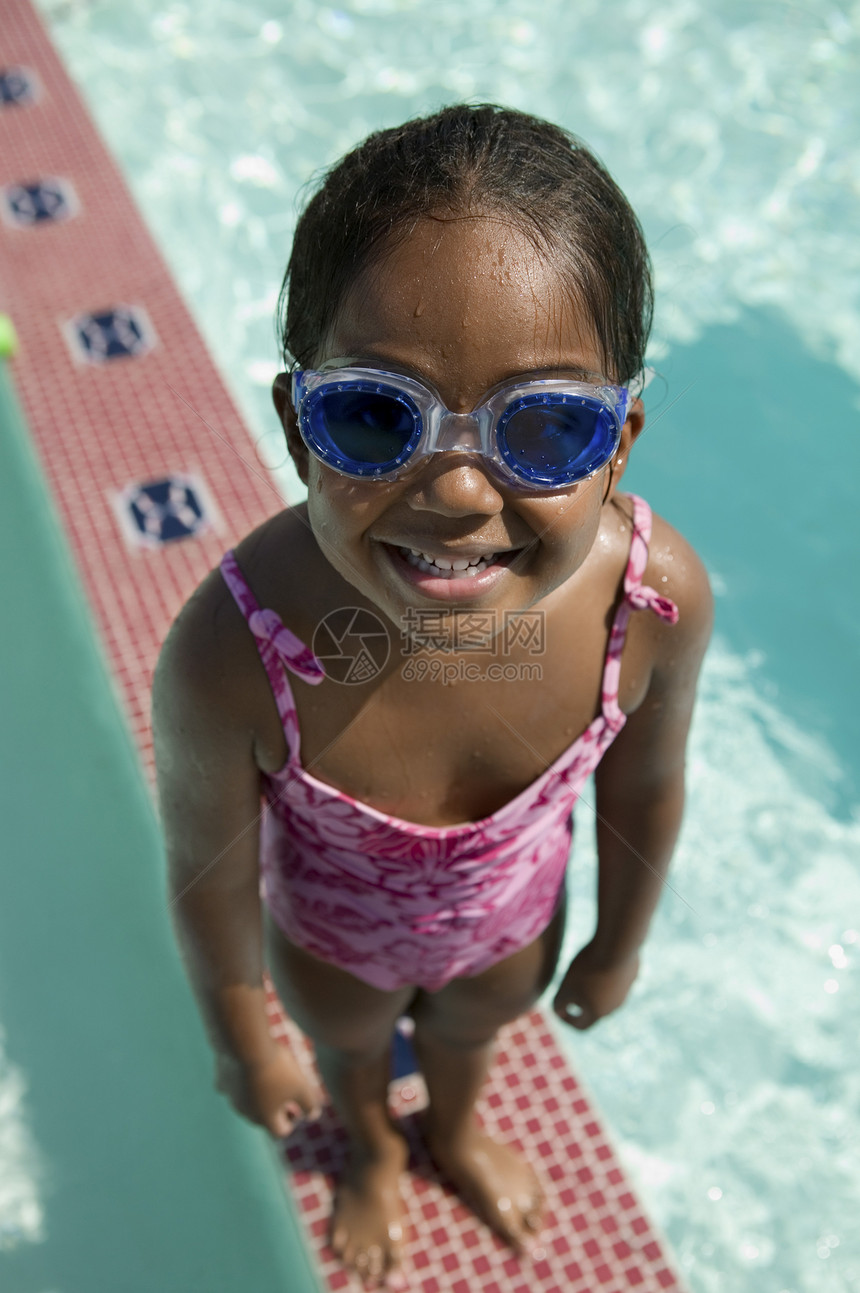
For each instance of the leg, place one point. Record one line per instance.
(351, 1025)
(454, 1033)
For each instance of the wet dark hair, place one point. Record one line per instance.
(477, 160)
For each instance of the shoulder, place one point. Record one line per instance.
(207, 658)
(665, 659)
(288, 573)
(677, 572)
(210, 647)
(211, 696)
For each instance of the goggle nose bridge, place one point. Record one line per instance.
(458, 432)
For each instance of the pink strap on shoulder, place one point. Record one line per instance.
(637, 597)
(278, 647)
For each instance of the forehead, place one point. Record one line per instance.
(466, 301)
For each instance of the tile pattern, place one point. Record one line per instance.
(112, 433)
(79, 289)
(596, 1240)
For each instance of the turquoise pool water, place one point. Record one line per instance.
(731, 1078)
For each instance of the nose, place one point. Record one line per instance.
(456, 483)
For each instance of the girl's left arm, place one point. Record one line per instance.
(639, 804)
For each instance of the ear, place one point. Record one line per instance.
(630, 432)
(287, 414)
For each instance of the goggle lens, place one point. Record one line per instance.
(363, 425)
(550, 438)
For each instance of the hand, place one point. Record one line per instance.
(274, 1092)
(594, 987)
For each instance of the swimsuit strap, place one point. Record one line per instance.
(278, 647)
(637, 597)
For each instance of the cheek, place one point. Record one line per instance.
(340, 510)
(332, 521)
(568, 523)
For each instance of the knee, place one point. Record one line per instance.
(455, 1035)
(467, 1022)
(351, 1043)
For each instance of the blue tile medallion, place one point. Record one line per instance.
(154, 513)
(119, 332)
(18, 85)
(50, 200)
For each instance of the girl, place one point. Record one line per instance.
(465, 315)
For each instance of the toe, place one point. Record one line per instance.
(508, 1223)
(375, 1263)
(532, 1211)
(531, 1207)
(394, 1277)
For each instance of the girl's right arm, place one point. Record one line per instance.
(209, 794)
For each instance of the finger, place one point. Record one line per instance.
(583, 1021)
(311, 1102)
(283, 1121)
(278, 1124)
(573, 1013)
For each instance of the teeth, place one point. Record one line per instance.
(448, 567)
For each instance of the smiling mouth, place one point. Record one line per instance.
(455, 567)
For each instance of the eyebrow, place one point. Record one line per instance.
(559, 370)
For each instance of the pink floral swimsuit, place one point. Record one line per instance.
(396, 903)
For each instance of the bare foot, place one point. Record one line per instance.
(367, 1224)
(495, 1182)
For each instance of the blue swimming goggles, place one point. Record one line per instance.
(540, 433)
